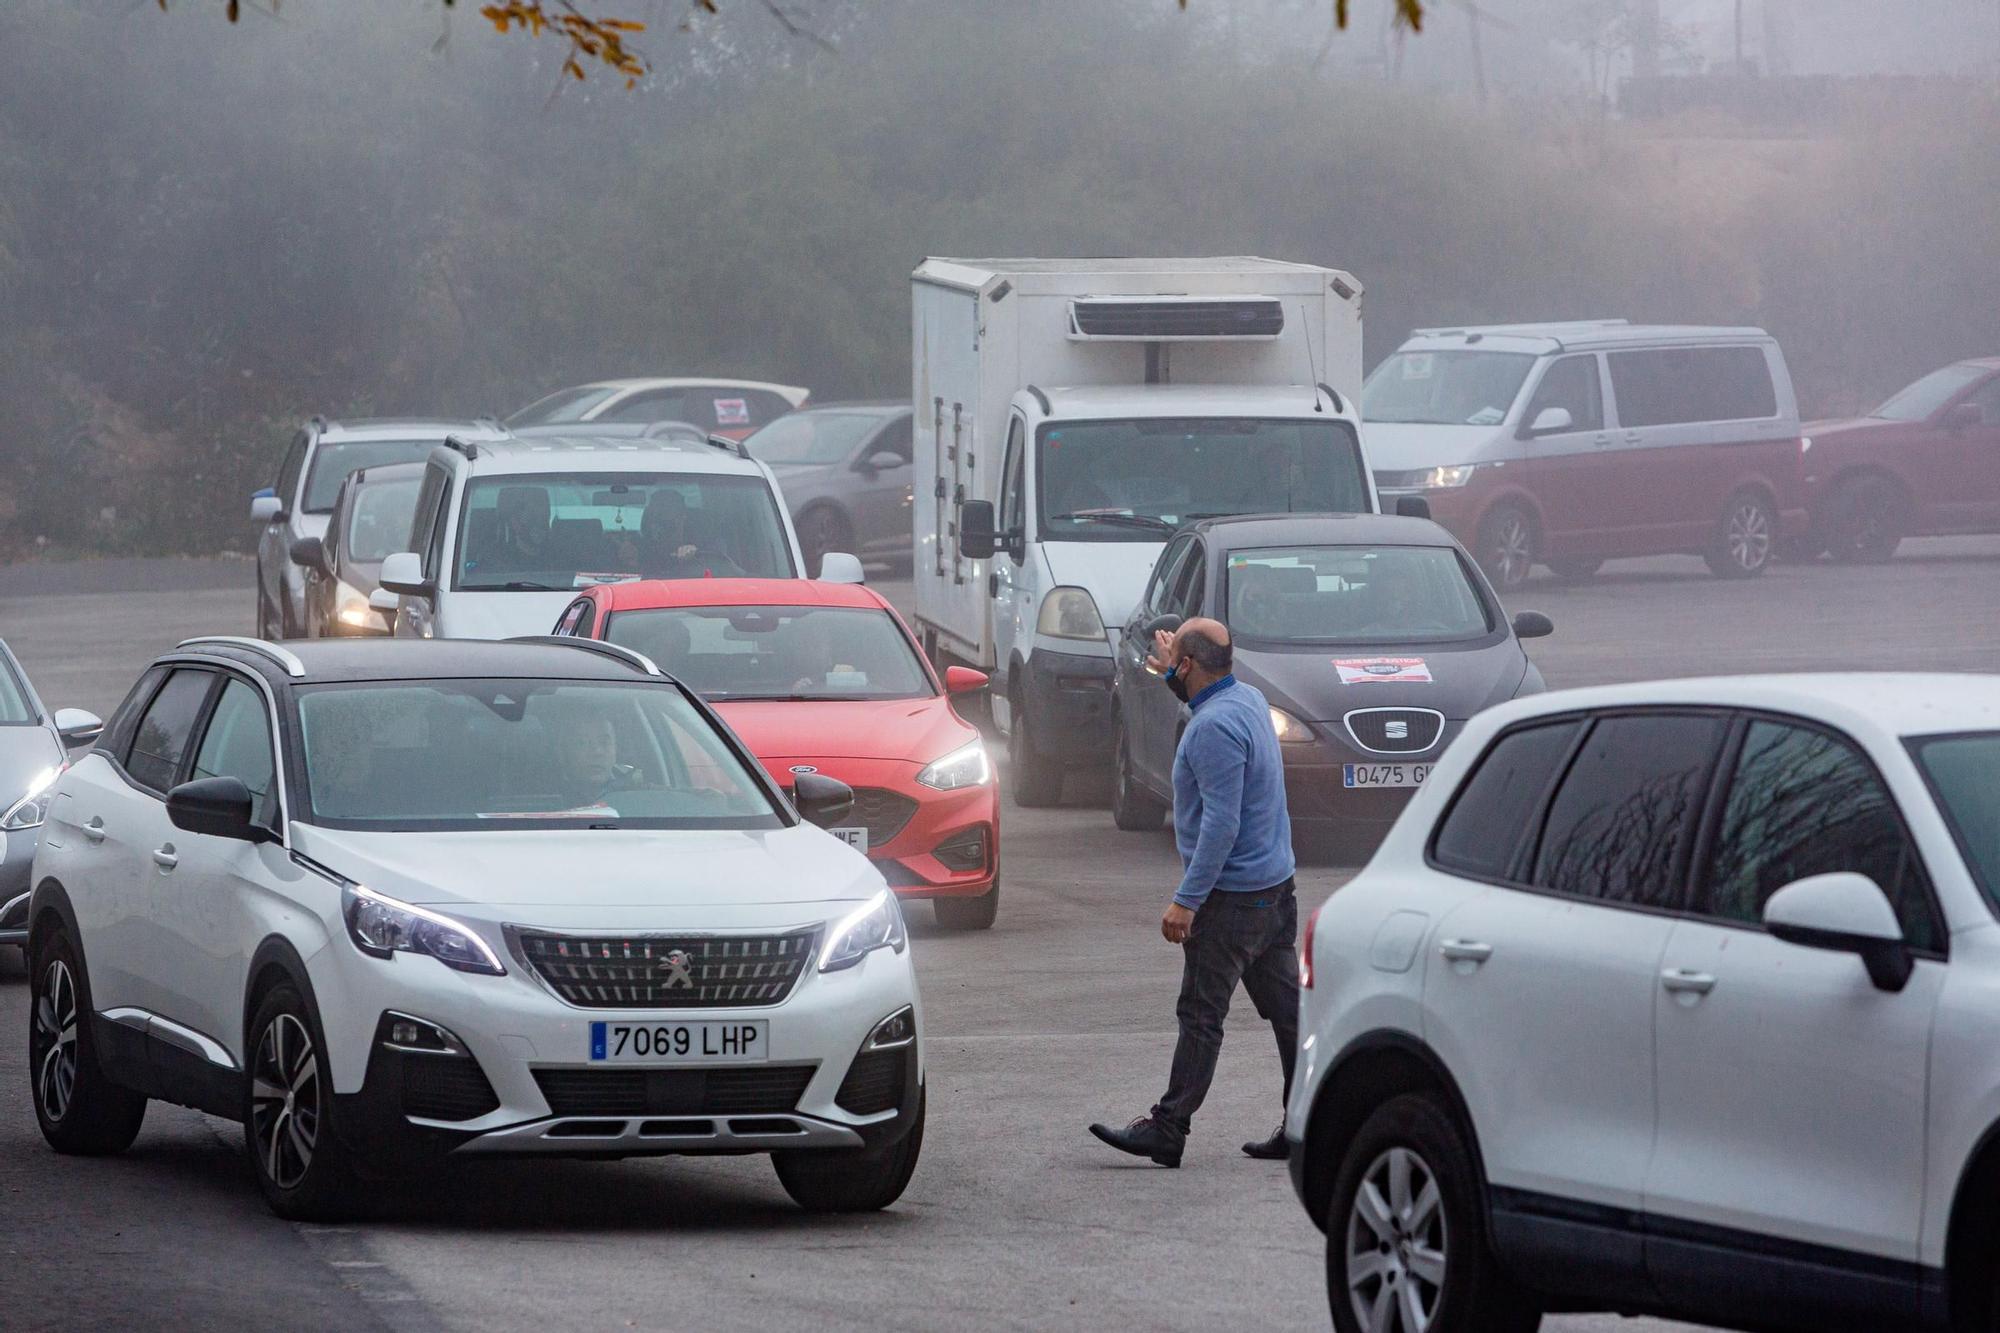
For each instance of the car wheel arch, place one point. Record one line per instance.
(1860, 472)
(275, 963)
(48, 909)
(1519, 498)
(1370, 1071)
(1973, 1225)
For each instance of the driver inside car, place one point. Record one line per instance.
(587, 769)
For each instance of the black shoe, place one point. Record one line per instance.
(1144, 1137)
(1273, 1149)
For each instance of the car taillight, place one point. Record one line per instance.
(1306, 949)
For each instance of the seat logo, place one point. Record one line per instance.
(1396, 731)
(675, 964)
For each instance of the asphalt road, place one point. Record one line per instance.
(1060, 1015)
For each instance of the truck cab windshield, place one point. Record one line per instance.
(1136, 480)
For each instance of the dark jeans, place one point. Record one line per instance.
(1246, 937)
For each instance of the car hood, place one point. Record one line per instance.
(1403, 447)
(25, 752)
(1464, 678)
(1113, 573)
(915, 730)
(501, 615)
(1858, 430)
(628, 869)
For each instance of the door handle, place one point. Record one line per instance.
(94, 830)
(1633, 437)
(165, 857)
(1465, 951)
(1602, 440)
(992, 585)
(1680, 981)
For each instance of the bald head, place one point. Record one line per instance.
(1204, 645)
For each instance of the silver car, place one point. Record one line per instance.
(371, 520)
(34, 749)
(845, 472)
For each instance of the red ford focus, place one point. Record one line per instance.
(826, 678)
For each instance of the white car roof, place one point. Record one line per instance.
(791, 393)
(1195, 400)
(1571, 335)
(410, 428)
(586, 453)
(1898, 703)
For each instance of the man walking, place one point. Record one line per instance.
(1234, 915)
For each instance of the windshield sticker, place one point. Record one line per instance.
(732, 411)
(1486, 416)
(588, 580)
(1382, 670)
(1416, 365)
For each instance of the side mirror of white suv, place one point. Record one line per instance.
(403, 573)
(1847, 913)
(840, 567)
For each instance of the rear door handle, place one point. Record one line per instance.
(1633, 437)
(94, 830)
(1465, 951)
(165, 857)
(1602, 440)
(1680, 981)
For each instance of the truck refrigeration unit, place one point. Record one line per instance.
(1071, 414)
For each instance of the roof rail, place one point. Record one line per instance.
(284, 657)
(462, 445)
(619, 652)
(1327, 389)
(317, 422)
(1041, 399)
(491, 423)
(732, 446)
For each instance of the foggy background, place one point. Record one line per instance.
(210, 232)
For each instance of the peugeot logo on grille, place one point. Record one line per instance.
(675, 963)
(1396, 731)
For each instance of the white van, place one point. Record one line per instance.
(1571, 444)
(506, 531)
(1070, 415)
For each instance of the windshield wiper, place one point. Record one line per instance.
(512, 585)
(1146, 521)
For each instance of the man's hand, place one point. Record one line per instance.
(1162, 655)
(1176, 924)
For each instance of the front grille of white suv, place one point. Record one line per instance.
(668, 971)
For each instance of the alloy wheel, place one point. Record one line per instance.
(1749, 535)
(1396, 1245)
(1513, 550)
(285, 1101)
(55, 1040)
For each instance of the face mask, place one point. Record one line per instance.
(1176, 682)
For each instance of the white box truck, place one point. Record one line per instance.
(1070, 415)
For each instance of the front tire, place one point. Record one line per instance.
(80, 1111)
(1133, 808)
(852, 1180)
(1865, 521)
(1406, 1243)
(975, 913)
(299, 1161)
(1035, 778)
(1744, 538)
(1506, 546)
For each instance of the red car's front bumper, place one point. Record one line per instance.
(927, 843)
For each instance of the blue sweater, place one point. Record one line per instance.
(1230, 819)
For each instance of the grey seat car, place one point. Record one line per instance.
(1373, 637)
(845, 472)
(317, 460)
(34, 749)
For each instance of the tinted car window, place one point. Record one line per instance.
(1667, 386)
(333, 462)
(14, 708)
(1482, 833)
(895, 439)
(1354, 594)
(1805, 802)
(237, 745)
(379, 518)
(288, 470)
(1961, 769)
(163, 732)
(1011, 503)
(1571, 384)
(1163, 581)
(1627, 808)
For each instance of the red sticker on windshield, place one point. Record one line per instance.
(1382, 670)
(732, 412)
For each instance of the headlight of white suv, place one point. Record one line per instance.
(1069, 613)
(963, 767)
(33, 807)
(876, 924)
(382, 926)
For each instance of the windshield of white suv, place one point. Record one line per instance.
(331, 464)
(1445, 388)
(1964, 772)
(1354, 594)
(466, 754)
(560, 406)
(812, 437)
(560, 530)
(379, 523)
(777, 652)
(1138, 480)
(1919, 401)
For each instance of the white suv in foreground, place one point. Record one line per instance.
(385, 901)
(1673, 998)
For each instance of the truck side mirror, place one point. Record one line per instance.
(1412, 506)
(977, 539)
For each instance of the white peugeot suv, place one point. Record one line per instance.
(383, 901)
(1673, 998)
